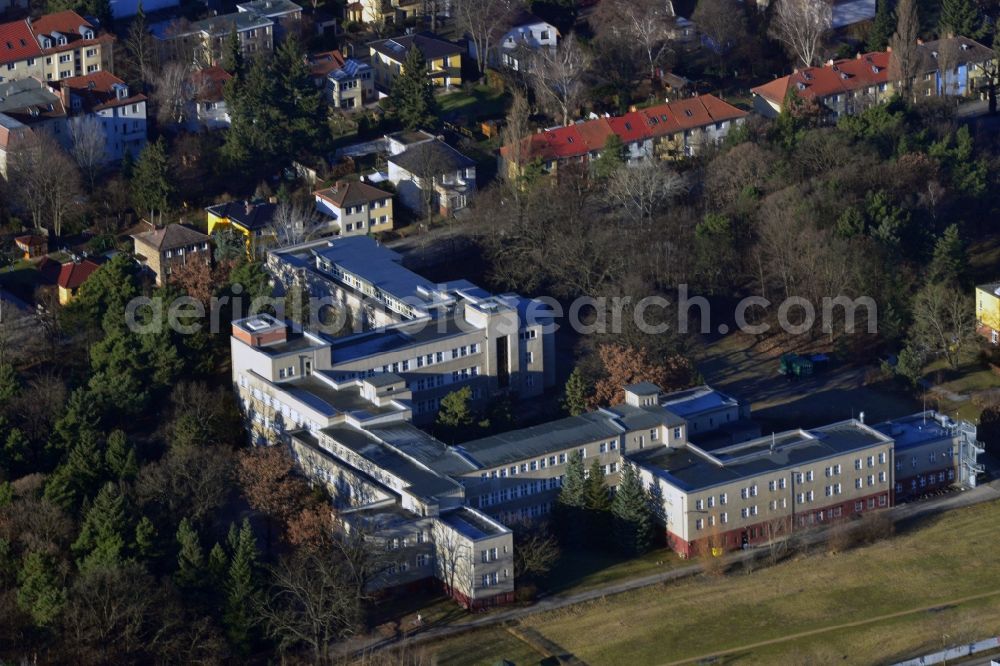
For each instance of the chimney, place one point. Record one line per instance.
(920, 42)
(858, 56)
(888, 49)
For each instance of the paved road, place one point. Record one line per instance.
(983, 493)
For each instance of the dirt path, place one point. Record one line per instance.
(835, 627)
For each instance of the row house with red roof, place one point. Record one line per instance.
(53, 47)
(955, 66)
(667, 131)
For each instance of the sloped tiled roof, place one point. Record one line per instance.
(351, 193)
(97, 90)
(431, 46)
(837, 77)
(251, 216)
(665, 119)
(75, 273)
(17, 42)
(171, 237)
(321, 64)
(208, 83)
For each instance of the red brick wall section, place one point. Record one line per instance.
(757, 533)
(259, 339)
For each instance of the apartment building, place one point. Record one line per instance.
(932, 452)
(356, 208)
(444, 59)
(203, 42)
(120, 110)
(666, 131)
(439, 338)
(955, 66)
(755, 491)
(390, 481)
(53, 47)
(384, 11)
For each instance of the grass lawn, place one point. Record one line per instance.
(484, 648)
(478, 103)
(940, 560)
(583, 570)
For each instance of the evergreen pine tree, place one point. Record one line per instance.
(949, 258)
(256, 126)
(6, 493)
(610, 159)
(102, 538)
(81, 473)
(959, 18)
(218, 566)
(80, 416)
(151, 185)
(598, 506)
(882, 27)
(17, 455)
(569, 511)
(145, 538)
(299, 101)
(119, 455)
(455, 414)
(633, 526)
(232, 54)
(412, 97)
(190, 558)
(577, 392)
(240, 586)
(10, 383)
(38, 591)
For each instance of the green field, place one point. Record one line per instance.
(930, 568)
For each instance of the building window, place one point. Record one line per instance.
(699, 505)
(699, 523)
(722, 499)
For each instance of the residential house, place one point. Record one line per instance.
(122, 112)
(209, 104)
(524, 34)
(849, 86)
(666, 131)
(164, 250)
(32, 246)
(347, 83)
(203, 42)
(287, 16)
(988, 311)
(428, 173)
(357, 208)
(72, 275)
(26, 106)
(444, 59)
(255, 220)
(53, 47)
(394, 12)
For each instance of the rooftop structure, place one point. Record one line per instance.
(431, 46)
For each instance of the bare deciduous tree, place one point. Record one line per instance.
(800, 25)
(557, 78)
(722, 22)
(645, 25)
(483, 21)
(905, 57)
(45, 181)
(173, 92)
(89, 141)
(644, 190)
(295, 221)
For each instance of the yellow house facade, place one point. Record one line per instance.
(255, 220)
(988, 311)
(444, 59)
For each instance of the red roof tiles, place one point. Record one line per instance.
(662, 120)
(17, 42)
(208, 83)
(97, 90)
(73, 274)
(838, 77)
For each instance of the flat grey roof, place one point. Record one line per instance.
(425, 449)
(421, 481)
(469, 524)
(914, 430)
(331, 401)
(689, 469)
(381, 341)
(637, 418)
(541, 439)
(378, 265)
(697, 400)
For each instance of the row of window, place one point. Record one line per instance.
(523, 490)
(524, 513)
(931, 457)
(395, 543)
